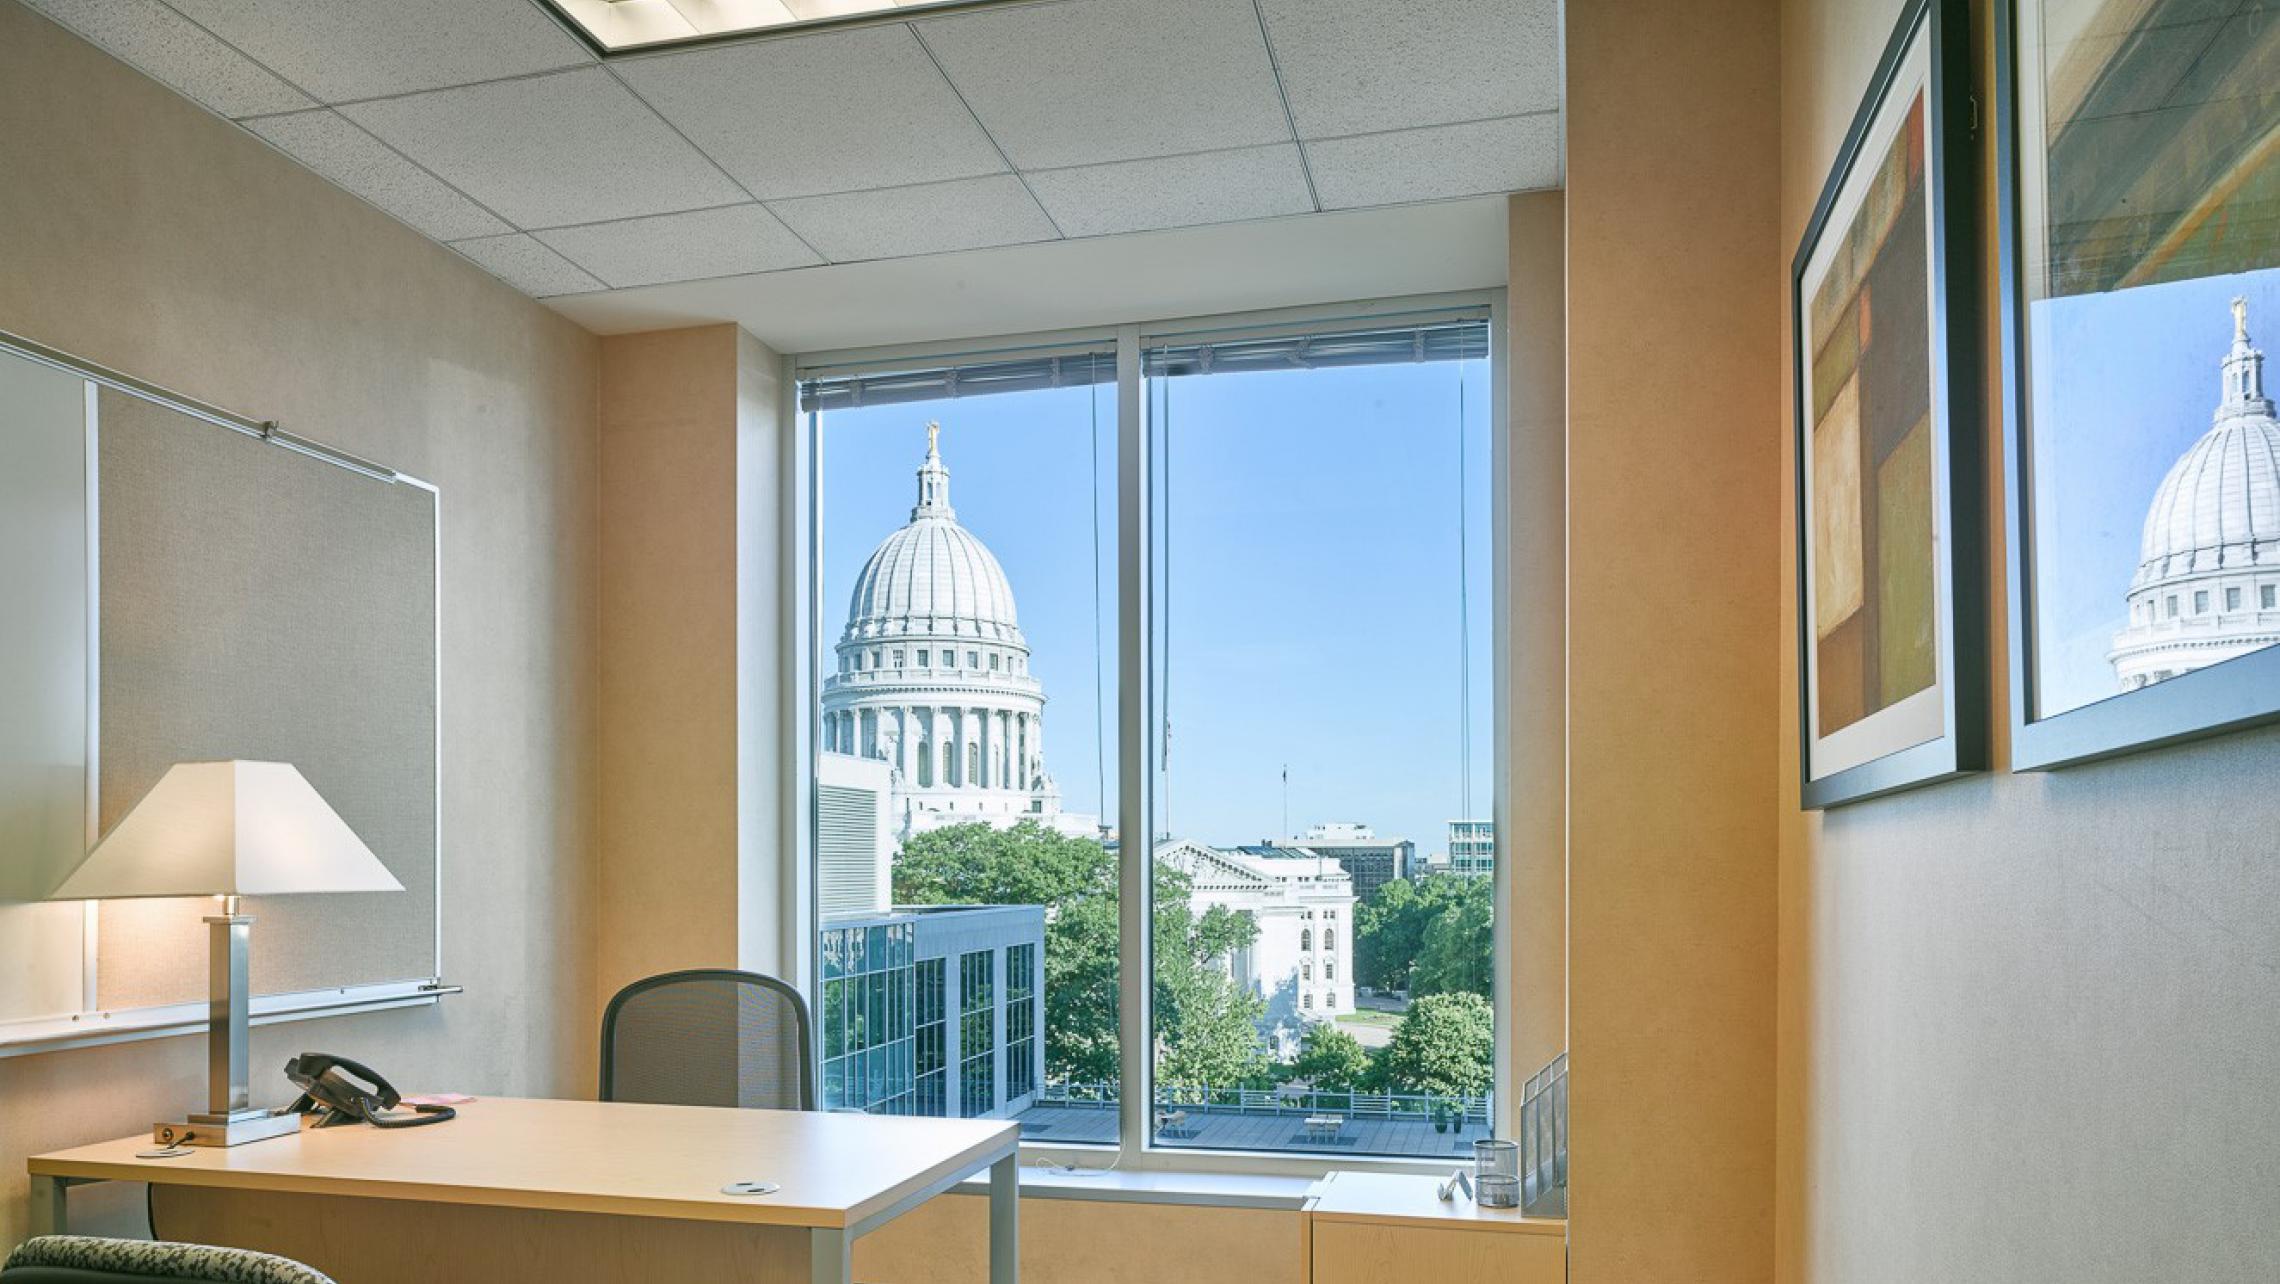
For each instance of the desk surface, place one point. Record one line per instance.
(584, 1156)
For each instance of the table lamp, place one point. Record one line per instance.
(227, 829)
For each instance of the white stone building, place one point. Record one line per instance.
(2208, 581)
(1302, 963)
(932, 677)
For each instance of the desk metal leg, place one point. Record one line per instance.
(831, 1256)
(1005, 1221)
(48, 1215)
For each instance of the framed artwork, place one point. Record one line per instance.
(2138, 188)
(1892, 660)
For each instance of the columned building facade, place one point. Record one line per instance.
(2208, 581)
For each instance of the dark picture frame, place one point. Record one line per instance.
(2229, 696)
(1929, 53)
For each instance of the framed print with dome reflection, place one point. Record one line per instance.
(1891, 660)
(2138, 151)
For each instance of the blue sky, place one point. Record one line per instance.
(1314, 595)
(2136, 387)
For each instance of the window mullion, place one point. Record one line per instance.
(1135, 704)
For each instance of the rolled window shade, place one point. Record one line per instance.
(1452, 339)
(1442, 336)
(963, 379)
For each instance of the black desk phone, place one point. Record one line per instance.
(331, 1089)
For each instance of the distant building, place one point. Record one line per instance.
(1472, 846)
(1302, 963)
(931, 677)
(1371, 860)
(2208, 580)
(934, 1010)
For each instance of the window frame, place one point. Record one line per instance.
(806, 648)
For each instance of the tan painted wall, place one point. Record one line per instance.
(668, 654)
(2027, 1023)
(1673, 502)
(1535, 568)
(1072, 1241)
(689, 439)
(138, 231)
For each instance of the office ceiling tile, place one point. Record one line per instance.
(682, 247)
(967, 214)
(1176, 191)
(527, 265)
(363, 164)
(1088, 81)
(169, 48)
(827, 113)
(346, 49)
(1517, 155)
(545, 151)
(1365, 66)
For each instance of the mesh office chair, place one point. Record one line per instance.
(709, 1037)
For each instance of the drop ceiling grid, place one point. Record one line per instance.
(1055, 120)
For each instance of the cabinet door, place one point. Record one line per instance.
(1370, 1253)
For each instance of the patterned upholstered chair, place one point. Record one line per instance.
(84, 1259)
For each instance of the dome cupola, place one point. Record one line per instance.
(932, 578)
(2219, 507)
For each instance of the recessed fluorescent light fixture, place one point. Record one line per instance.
(621, 26)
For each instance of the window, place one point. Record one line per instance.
(2264, 596)
(930, 1068)
(2169, 607)
(1352, 465)
(2200, 601)
(1351, 462)
(2232, 599)
(868, 975)
(898, 657)
(977, 1035)
(1021, 1053)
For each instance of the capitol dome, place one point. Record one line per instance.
(2209, 558)
(932, 576)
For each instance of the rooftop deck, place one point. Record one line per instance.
(1232, 1128)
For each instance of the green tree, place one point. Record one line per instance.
(1430, 935)
(1445, 1046)
(1207, 1027)
(1459, 947)
(1331, 1058)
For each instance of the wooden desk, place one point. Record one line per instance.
(1363, 1226)
(563, 1190)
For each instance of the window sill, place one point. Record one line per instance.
(1216, 1190)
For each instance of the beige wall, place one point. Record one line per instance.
(688, 805)
(1673, 499)
(137, 231)
(2028, 1029)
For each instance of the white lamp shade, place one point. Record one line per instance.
(228, 829)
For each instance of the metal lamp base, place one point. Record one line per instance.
(217, 1130)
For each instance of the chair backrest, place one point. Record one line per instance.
(85, 1259)
(709, 1037)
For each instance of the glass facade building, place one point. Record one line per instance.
(1472, 846)
(933, 1011)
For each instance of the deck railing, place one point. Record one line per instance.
(1205, 1099)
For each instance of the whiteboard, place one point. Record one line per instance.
(238, 598)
